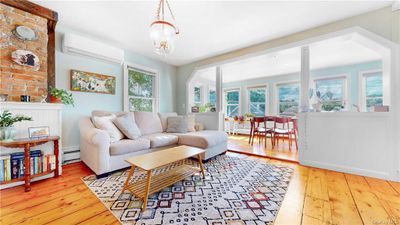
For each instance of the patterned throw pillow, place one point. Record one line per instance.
(177, 124)
(126, 124)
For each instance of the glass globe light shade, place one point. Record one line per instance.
(163, 34)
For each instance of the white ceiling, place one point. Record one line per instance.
(324, 54)
(208, 28)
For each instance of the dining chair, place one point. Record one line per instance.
(294, 132)
(261, 131)
(282, 129)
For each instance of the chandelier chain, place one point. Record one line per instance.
(160, 10)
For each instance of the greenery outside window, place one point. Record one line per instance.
(288, 98)
(212, 97)
(232, 103)
(373, 90)
(332, 92)
(197, 95)
(141, 90)
(257, 100)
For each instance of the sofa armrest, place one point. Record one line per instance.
(96, 136)
(94, 146)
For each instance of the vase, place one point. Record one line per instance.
(7, 133)
(54, 99)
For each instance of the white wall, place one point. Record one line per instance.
(360, 143)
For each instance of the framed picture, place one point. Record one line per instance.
(38, 132)
(92, 82)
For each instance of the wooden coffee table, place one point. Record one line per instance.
(150, 161)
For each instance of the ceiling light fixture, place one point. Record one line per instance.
(163, 32)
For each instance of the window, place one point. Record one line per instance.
(373, 90)
(141, 90)
(197, 95)
(232, 102)
(288, 98)
(212, 97)
(256, 100)
(332, 93)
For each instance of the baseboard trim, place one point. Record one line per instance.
(350, 170)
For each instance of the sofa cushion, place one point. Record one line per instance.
(203, 139)
(126, 124)
(161, 139)
(125, 146)
(148, 122)
(164, 118)
(177, 124)
(106, 123)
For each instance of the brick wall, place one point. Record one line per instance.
(17, 80)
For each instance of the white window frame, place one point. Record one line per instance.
(201, 102)
(225, 104)
(152, 72)
(362, 83)
(346, 88)
(276, 90)
(259, 86)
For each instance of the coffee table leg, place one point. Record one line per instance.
(146, 196)
(201, 165)
(128, 178)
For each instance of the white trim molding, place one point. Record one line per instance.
(247, 98)
(151, 71)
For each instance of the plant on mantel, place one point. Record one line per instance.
(61, 96)
(7, 120)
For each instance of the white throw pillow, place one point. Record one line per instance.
(164, 118)
(177, 124)
(148, 122)
(126, 124)
(191, 123)
(106, 123)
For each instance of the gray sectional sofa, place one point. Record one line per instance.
(104, 156)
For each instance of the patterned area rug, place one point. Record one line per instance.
(235, 191)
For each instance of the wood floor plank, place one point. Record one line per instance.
(59, 210)
(40, 200)
(395, 185)
(291, 210)
(317, 186)
(25, 196)
(81, 215)
(369, 207)
(344, 210)
(318, 209)
(381, 186)
(104, 218)
(41, 208)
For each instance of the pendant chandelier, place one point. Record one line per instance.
(163, 32)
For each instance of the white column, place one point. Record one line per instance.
(304, 79)
(218, 89)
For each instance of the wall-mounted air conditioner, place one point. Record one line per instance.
(78, 45)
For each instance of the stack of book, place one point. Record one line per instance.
(12, 166)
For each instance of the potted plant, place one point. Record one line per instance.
(7, 120)
(61, 96)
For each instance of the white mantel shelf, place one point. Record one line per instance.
(30, 105)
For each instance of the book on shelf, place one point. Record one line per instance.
(13, 166)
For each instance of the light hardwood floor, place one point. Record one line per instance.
(314, 196)
(240, 143)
